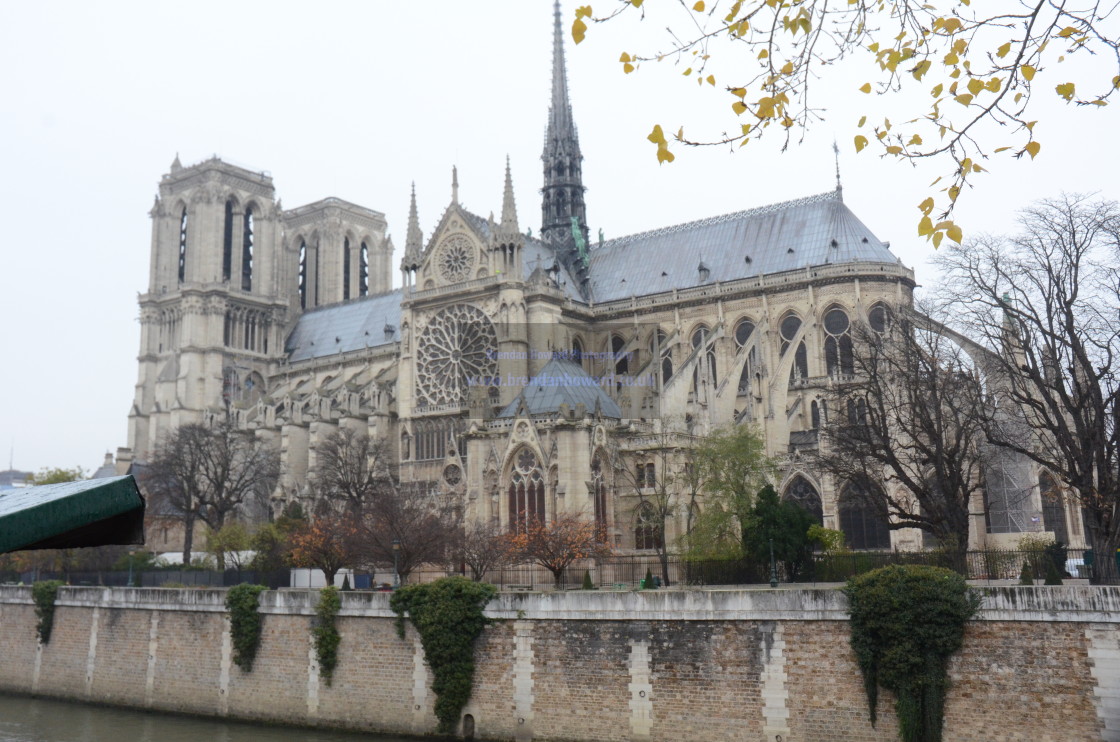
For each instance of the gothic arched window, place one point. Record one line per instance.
(620, 356)
(599, 492)
(659, 348)
(788, 331)
(577, 351)
(303, 274)
(877, 318)
(1053, 508)
(804, 494)
(862, 518)
(363, 271)
(183, 246)
(227, 242)
(699, 338)
(743, 332)
(648, 532)
(247, 251)
(838, 343)
(526, 492)
(345, 269)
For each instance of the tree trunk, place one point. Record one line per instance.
(1104, 558)
(188, 539)
(330, 575)
(663, 557)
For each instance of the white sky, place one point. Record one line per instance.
(357, 100)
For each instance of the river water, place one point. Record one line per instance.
(42, 720)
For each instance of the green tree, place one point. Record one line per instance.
(960, 75)
(57, 475)
(227, 545)
(785, 525)
(732, 466)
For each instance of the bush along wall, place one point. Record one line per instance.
(326, 633)
(906, 622)
(242, 602)
(448, 616)
(44, 594)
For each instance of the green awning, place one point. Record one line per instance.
(92, 512)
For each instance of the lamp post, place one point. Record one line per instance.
(396, 557)
(131, 553)
(773, 566)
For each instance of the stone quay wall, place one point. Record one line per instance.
(1038, 664)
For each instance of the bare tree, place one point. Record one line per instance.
(1047, 303)
(208, 473)
(656, 474)
(351, 469)
(906, 434)
(409, 524)
(483, 547)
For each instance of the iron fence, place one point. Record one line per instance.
(156, 578)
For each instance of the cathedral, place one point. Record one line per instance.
(525, 373)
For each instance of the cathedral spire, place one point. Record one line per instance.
(509, 208)
(454, 185)
(563, 215)
(414, 238)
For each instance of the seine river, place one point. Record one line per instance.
(41, 720)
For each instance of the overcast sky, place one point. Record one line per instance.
(358, 100)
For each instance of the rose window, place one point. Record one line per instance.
(456, 258)
(455, 351)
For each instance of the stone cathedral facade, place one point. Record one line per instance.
(524, 375)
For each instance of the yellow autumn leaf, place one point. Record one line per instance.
(926, 206)
(1032, 149)
(1003, 50)
(954, 191)
(1100, 102)
(1066, 32)
(636, 3)
(739, 107)
(925, 226)
(764, 54)
(625, 57)
(937, 237)
(711, 79)
(975, 85)
(936, 90)
(787, 68)
(862, 121)
(699, 6)
(963, 99)
(865, 88)
(954, 233)
(584, 11)
(921, 69)
(894, 149)
(627, 68)
(861, 142)
(657, 136)
(914, 140)
(1028, 72)
(579, 28)
(994, 84)
(1065, 90)
(1116, 82)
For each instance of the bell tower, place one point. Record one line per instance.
(217, 301)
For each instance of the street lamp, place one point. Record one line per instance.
(396, 556)
(773, 566)
(130, 555)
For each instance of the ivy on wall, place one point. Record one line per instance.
(326, 633)
(44, 594)
(906, 622)
(242, 602)
(448, 616)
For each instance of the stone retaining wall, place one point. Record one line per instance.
(1038, 664)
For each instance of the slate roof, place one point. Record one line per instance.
(813, 231)
(340, 328)
(560, 382)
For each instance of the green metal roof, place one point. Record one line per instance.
(92, 512)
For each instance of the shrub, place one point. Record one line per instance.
(1026, 575)
(242, 602)
(44, 594)
(448, 616)
(906, 621)
(587, 583)
(1053, 576)
(326, 633)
